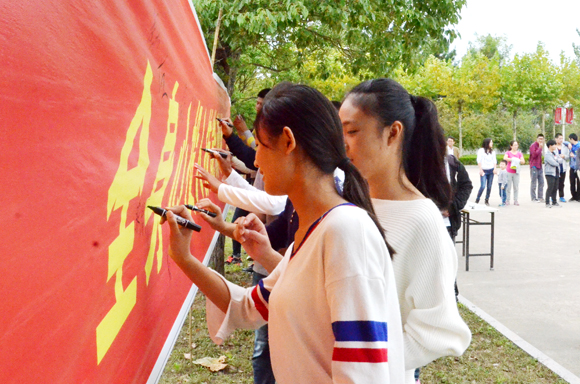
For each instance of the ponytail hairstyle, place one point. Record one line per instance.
(318, 132)
(423, 151)
(486, 147)
(512, 143)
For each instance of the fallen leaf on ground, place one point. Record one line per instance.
(214, 364)
(187, 356)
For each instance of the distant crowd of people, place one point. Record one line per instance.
(559, 159)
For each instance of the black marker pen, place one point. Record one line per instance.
(194, 208)
(180, 220)
(225, 122)
(222, 154)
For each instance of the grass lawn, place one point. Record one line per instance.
(491, 358)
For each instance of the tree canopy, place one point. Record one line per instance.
(264, 37)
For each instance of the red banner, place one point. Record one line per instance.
(569, 116)
(104, 107)
(558, 116)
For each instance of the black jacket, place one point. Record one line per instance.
(461, 187)
(240, 150)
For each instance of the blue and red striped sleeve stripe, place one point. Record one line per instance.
(261, 296)
(370, 337)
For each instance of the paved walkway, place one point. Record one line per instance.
(535, 287)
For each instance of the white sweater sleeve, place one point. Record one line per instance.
(252, 200)
(236, 180)
(434, 327)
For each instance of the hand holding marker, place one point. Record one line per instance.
(222, 154)
(225, 122)
(180, 220)
(194, 208)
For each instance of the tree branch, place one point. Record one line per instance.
(271, 68)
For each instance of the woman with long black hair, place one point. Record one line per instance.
(331, 303)
(397, 143)
(486, 161)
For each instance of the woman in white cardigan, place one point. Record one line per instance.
(395, 140)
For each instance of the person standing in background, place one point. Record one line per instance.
(486, 161)
(502, 180)
(564, 153)
(515, 159)
(574, 166)
(552, 164)
(536, 170)
(451, 150)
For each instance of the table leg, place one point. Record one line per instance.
(467, 243)
(463, 214)
(492, 239)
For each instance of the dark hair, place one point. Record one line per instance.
(512, 143)
(263, 92)
(424, 147)
(540, 135)
(551, 142)
(318, 132)
(485, 145)
(557, 135)
(573, 136)
(451, 137)
(337, 104)
(503, 161)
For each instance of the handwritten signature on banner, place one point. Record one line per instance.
(128, 185)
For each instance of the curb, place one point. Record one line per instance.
(527, 347)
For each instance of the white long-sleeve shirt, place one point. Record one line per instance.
(425, 264)
(239, 193)
(486, 160)
(331, 306)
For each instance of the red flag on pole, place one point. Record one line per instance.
(569, 115)
(558, 116)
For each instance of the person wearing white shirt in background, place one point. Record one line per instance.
(486, 161)
(451, 150)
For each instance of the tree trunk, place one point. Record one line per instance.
(217, 257)
(515, 124)
(233, 72)
(544, 123)
(459, 114)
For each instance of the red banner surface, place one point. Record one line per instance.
(558, 116)
(104, 107)
(569, 116)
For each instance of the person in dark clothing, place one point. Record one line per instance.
(261, 358)
(461, 188)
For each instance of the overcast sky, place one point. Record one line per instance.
(524, 23)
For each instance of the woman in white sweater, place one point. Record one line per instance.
(331, 303)
(395, 140)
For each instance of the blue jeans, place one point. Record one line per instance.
(263, 373)
(486, 178)
(502, 193)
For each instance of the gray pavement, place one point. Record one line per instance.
(535, 287)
